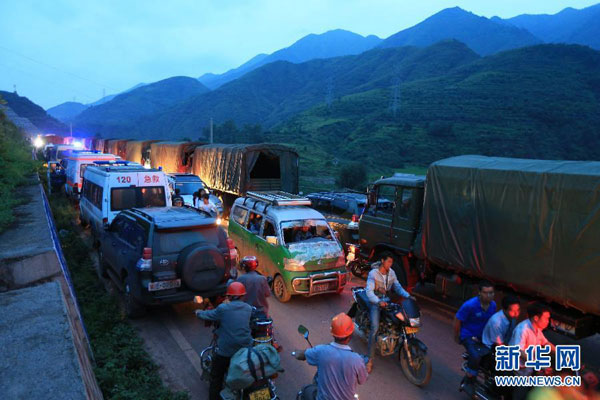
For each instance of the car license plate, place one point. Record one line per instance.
(321, 287)
(410, 330)
(164, 285)
(261, 394)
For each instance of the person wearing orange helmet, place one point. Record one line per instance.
(233, 333)
(339, 369)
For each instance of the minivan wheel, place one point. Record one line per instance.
(280, 290)
(133, 308)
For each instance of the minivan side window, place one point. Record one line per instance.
(93, 193)
(268, 229)
(254, 222)
(239, 215)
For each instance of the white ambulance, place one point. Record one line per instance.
(111, 187)
(77, 161)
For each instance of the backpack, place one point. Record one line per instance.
(250, 364)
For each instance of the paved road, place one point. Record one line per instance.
(175, 337)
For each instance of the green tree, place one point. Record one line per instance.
(352, 176)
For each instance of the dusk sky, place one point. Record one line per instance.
(57, 51)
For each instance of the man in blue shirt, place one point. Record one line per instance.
(468, 327)
(339, 369)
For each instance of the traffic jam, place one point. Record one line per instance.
(509, 246)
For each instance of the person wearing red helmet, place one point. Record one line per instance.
(256, 285)
(339, 369)
(233, 333)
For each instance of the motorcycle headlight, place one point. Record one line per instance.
(416, 322)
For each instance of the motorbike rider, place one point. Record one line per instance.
(380, 281)
(339, 369)
(257, 286)
(468, 329)
(233, 333)
(501, 325)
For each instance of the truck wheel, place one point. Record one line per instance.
(398, 268)
(280, 290)
(133, 308)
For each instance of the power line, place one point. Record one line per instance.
(56, 68)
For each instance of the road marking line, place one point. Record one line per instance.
(184, 345)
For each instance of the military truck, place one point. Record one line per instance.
(529, 226)
(231, 170)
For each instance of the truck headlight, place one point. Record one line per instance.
(290, 264)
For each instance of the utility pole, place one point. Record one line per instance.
(211, 131)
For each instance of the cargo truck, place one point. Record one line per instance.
(532, 227)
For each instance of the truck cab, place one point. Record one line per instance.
(391, 220)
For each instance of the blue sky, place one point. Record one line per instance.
(60, 50)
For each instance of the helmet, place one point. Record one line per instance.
(249, 263)
(342, 326)
(236, 289)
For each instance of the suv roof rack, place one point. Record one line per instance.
(279, 198)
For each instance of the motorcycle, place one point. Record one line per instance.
(398, 326)
(308, 392)
(263, 389)
(355, 263)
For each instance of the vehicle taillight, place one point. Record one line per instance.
(354, 217)
(145, 263)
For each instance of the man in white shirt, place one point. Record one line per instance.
(206, 206)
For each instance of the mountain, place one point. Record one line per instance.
(535, 102)
(137, 103)
(568, 26)
(109, 97)
(29, 112)
(65, 112)
(333, 43)
(276, 91)
(481, 34)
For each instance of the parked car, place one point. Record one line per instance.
(293, 243)
(166, 255)
(342, 211)
(76, 163)
(188, 184)
(109, 188)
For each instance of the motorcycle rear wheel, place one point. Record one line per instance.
(421, 374)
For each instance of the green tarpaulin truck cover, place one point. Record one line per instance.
(530, 224)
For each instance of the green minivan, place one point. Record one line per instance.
(293, 243)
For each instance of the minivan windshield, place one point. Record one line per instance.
(188, 187)
(137, 197)
(305, 230)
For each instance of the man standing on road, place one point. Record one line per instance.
(206, 206)
(233, 333)
(381, 280)
(339, 369)
(468, 329)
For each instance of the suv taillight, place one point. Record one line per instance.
(145, 263)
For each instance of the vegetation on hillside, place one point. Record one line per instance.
(25, 108)
(17, 166)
